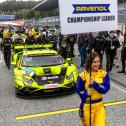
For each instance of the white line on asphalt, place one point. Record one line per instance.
(118, 88)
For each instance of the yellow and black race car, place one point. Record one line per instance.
(43, 72)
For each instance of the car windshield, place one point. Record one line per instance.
(45, 60)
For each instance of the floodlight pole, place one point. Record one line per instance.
(42, 2)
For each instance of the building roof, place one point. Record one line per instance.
(41, 5)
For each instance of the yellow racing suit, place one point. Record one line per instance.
(100, 86)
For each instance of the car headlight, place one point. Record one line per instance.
(26, 80)
(70, 76)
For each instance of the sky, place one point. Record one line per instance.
(17, 0)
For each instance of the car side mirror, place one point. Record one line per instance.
(69, 61)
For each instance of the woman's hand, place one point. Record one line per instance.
(91, 81)
(89, 92)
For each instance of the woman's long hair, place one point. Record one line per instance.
(90, 60)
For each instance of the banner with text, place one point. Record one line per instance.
(80, 16)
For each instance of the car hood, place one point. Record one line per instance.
(53, 70)
(64, 69)
(42, 71)
(46, 75)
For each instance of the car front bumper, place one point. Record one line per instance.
(34, 92)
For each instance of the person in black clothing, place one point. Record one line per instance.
(98, 44)
(64, 50)
(123, 56)
(106, 34)
(60, 38)
(110, 46)
(41, 39)
(89, 39)
(53, 40)
(1, 36)
(30, 40)
(1, 33)
(71, 40)
(18, 40)
(20, 30)
(46, 33)
(82, 45)
(6, 48)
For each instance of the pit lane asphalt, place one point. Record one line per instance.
(12, 107)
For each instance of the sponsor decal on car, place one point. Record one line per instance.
(49, 78)
(50, 86)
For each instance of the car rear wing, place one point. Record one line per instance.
(33, 47)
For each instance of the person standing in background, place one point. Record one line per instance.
(64, 49)
(53, 40)
(71, 40)
(82, 48)
(110, 47)
(6, 48)
(89, 39)
(123, 56)
(41, 39)
(118, 51)
(30, 40)
(98, 44)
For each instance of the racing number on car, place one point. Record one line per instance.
(29, 59)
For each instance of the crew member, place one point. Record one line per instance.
(30, 40)
(52, 39)
(41, 39)
(6, 48)
(123, 56)
(110, 46)
(71, 41)
(64, 49)
(98, 44)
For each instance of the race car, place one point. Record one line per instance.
(43, 72)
